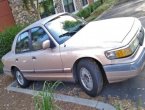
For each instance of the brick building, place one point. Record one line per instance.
(6, 16)
(71, 6)
(13, 11)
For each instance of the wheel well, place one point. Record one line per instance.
(105, 80)
(13, 69)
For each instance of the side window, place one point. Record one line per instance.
(38, 36)
(22, 44)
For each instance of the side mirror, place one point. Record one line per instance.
(46, 44)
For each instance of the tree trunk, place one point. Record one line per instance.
(36, 8)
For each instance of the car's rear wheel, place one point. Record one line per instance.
(90, 77)
(21, 80)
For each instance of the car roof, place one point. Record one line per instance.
(42, 21)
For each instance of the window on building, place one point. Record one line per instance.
(84, 2)
(69, 6)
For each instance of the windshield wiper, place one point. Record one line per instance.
(72, 32)
(79, 27)
(67, 34)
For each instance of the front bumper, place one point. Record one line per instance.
(120, 72)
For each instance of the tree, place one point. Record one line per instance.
(34, 4)
(48, 7)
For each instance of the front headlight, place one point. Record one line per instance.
(123, 52)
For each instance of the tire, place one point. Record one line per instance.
(90, 77)
(21, 80)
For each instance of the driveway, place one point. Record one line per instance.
(125, 8)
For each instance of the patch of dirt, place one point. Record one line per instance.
(19, 101)
(12, 100)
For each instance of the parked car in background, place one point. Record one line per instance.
(64, 47)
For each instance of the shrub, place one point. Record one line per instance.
(97, 4)
(86, 12)
(7, 37)
(91, 6)
(69, 25)
(45, 99)
(1, 67)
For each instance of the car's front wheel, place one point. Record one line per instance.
(20, 78)
(90, 77)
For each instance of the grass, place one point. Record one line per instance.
(107, 4)
(139, 104)
(128, 104)
(1, 67)
(45, 99)
(119, 107)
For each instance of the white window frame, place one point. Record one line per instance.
(86, 4)
(73, 3)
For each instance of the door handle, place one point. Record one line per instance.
(16, 59)
(34, 58)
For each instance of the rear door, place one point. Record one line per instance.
(23, 58)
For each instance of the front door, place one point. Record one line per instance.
(47, 63)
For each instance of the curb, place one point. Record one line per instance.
(81, 101)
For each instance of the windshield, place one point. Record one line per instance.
(64, 27)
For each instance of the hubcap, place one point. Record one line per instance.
(19, 78)
(86, 79)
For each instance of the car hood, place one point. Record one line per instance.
(104, 33)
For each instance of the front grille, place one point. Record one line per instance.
(141, 36)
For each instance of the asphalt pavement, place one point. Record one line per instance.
(134, 88)
(126, 8)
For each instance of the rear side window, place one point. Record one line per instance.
(22, 44)
(38, 36)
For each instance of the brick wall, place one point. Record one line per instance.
(6, 17)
